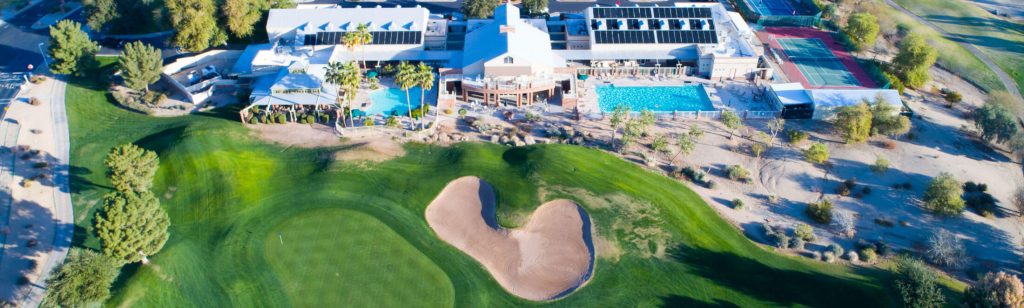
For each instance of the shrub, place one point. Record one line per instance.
(829, 257)
(281, 118)
(738, 173)
(310, 119)
(976, 197)
(946, 250)
(820, 212)
(325, 118)
(368, 122)
(710, 184)
(995, 290)
(82, 281)
(737, 204)
(462, 112)
(796, 137)
(852, 256)
(943, 195)
(843, 222)
(817, 153)
(40, 165)
(917, 284)
(868, 254)
(804, 232)
(952, 97)
(835, 249)
(775, 237)
(797, 243)
(253, 120)
(889, 144)
(131, 102)
(881, 165)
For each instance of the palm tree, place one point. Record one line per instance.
(346, 77)
(358, 38)
(425, 79)
(406, 78)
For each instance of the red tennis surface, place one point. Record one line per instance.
(770, 34)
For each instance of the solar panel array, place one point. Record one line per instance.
(652, 37)
(624, 37)
(687, 37)
(379, 38)
(622, 12)
(648, 12)
(682, 12)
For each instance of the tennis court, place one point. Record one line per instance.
(772, 7)
(817, 63)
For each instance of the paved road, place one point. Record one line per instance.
(19, 44)
(1009, 83)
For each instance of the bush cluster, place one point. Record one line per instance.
(820, 212)
(777, 238)
(738, 173)
(844, 189)
(142, 103)
(976, 197)
(796, 137)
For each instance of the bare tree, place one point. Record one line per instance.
(946, 250)
(1018, 201)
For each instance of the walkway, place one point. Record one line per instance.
(41, 223)
(1008, 82)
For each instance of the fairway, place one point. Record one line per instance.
(349, 257)
(256, 225)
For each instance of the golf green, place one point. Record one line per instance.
(255, 224)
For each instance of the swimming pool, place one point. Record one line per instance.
(391, 101)
(656, 98)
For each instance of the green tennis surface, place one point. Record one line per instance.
(816, 62)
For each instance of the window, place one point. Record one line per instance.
(508, 60)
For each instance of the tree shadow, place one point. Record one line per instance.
(30, 234)
(779, 286)
(685, 301)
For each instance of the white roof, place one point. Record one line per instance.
(791, 93)
(652, 54)
(740, 24)
(347, 19)
(508, 34)
(832, 98)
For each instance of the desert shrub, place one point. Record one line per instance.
(738, 173)
(463, 112)
(310, 119)
(776, 237)
(131, 102)
(843, 222)
(829, 257)
(835, 249)
(325, 118)
(796, 137)
(881, 165)
(844, 189)
(737, 204)
(797, 243)
(852, 256)
(944, 195)
(946, 250)
(889, 144)
(710, 184)
(281, 118)
(818, 153)
(917, 284)
(368, 122)
(952, 97)
(868, 254)
(976, 197)
(302, 120)
(253, 120)
(804, 232)
(821, 211)
(995, 290)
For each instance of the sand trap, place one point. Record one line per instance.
(547, 258)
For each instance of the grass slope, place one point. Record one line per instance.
(1001, 39)
(229, 196)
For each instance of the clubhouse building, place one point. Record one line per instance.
(509, 59)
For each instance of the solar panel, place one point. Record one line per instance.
(624, 37)
(622, 12)
(687, 37)
(379, 38)
(682, 12)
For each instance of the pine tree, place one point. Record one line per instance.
(100, 12)
(132, 226)
(83, 280)
(71, 49)
(132, 168)
(140, 65)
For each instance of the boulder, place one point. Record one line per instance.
(503, 140)
(495, 139)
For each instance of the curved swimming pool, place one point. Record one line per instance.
(654, 98)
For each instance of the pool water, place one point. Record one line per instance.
(656, 99)
(391, 101)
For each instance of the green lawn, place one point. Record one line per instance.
(356, 233)
(1002, 40)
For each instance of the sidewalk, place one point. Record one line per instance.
(40, 223)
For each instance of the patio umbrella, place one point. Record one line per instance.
(582, 77)
(371, 74)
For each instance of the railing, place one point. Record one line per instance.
(635, 70)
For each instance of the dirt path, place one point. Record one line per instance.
(549, 257)
(1008, 82)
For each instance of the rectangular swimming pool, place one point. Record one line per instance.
(654, 98)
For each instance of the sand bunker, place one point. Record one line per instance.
(547, 258)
